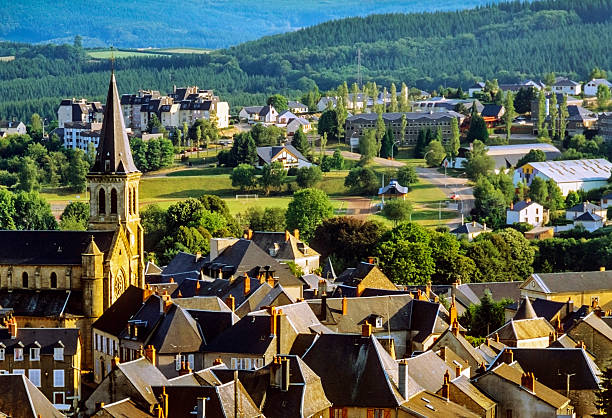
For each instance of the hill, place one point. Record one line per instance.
(509, 41)
(177, 23)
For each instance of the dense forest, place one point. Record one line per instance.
(509, 41)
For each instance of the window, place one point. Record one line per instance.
(1, 353)
(19, 354)
(58, 398)
(338, 413)
(191, 361)
(24, 279)
(98, 343)
(376, 413)
(113, 208)
(101, 202)
(178, 359)
(34, 354)
(58, 378)
(53, 281)
(58, 353)
(34, 376)
(4, 372)
(104, 345)
(19, 371)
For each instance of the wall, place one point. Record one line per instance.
(39, 277)
(596, 344)
(462, 399)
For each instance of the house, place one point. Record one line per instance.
(108, 328)
(286, 154)
(295, 124)
(584, 207)
(605, 126)
(442, 104)
(580, 119)
(540, 232)
(325, 102)
(250, 113)
(506, 156)
(284, 117)
(79, 110)
(519, 394)
(606, 201)
(462, 392)
(567, 371)
(477, 87)
(515, 87)
(393, 190)
(566, 86)
(583, 288)
(452, 340)
(268, 114)
(49, 357)
(286, 247)
(354, 280)
(590, 88)
(20, 398)
(78, 135)
(12, 128)
(297, 107)
(120, 409)
(561, 315)
(528, 212)
(569, 175)
(470, 230)
(528, 332)
(596, 336)
(492, 114)
(590, 221)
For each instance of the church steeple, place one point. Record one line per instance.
(114, 155)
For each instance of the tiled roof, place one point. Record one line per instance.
(267, 153)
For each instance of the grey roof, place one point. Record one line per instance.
(575, 170)
(428, 369)
(184, 262)
(213, 323)
(596, 323)
(178, 332)
(42, 303)
(566, 82)
(469, 228)
(525, 310)
(584, 207)
(47, 338)
(265, 110)
(393, 188)
(519, 206)
(267, 153)
(142, 375)
(21, 399)
(124, 408)
(114, 146)
(295, 104)
(579, 113)
(253, 110)
(574, 281)
(491, 110)
(389, 117)
(114, 319)
(249, 335)
(589, 217)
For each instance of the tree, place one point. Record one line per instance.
(490, 203)
(362, 181)
(36, 126)
(482, 319)
(555, 200)
(75, 217)
(604, 395)
(434, 153)
(323, 144)
(278, 101)
(403, 101)
(338, 160)
(380, 132)
(407, 176)
(300, 142)
(404, 124)
(523, 99)
(597, 73)
(572, 199)
(603, 96)
(534, 155)
(273, 176)
(509, 115)
(478, 128)
(538, 191)
(243, 176)
(452, 148)
(386, 150)
(78, 42)
(554, 115)
(541, 123)
(77, 171)
(367, 146)
(397, 210)
(308, 176)
(268, 219)
(393, 106)
(244, 150)
(307, 210)
(478, 162)
(139, 154)
(328, 124)
(7, 209)
(33, 212)
(154, 125)
(563, 117)
(28, 175)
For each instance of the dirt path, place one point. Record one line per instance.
(358, 207)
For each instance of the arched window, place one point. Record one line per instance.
(53, 280)
(101, 202)
(113, 201)
(24, 279)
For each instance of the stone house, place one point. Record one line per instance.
(596, 336)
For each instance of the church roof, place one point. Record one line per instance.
(50, 248)
(114, 154)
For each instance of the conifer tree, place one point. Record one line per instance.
(393, 104)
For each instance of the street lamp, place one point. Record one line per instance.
(393, 146)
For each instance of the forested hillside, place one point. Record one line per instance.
(509, 41)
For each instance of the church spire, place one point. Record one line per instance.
(114, 155)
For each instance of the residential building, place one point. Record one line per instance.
(69, 278)
(540, 232)
(49, 357)
(583, 288)
(606, 201)
(526, 211)
(286, 247)
(477, 87)
(415, 122)
(566, 86)
(250, 114)
(268, 114)
(21, 398)
(590, 221)
(493, 114)
(596, 336)
(295, 124)
(590, 88)
(462, 392)
(605, 126)
(515, 87)
(355, 280)
(470, 230)
(78, 135)
(506, 156)
(452, 340)
(132, 107)
(569, 175)
(525, 329)
(284, 117)
(579, 119)
(73, 110)
(12, 128)
(285, 154)
(297, 107)
(582, 208)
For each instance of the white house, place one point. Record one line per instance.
(585, 207)
(476, 88)
(570, 175)
(268, 114)
(506, 156)
(567, 86)
(590, 221)
(526, 211)
(287, 155)
(470, 230)
(284, 117)
(297, 107)
(12, 128)
(78, 135)
(295, 124)
(250, 113)
(590, 88)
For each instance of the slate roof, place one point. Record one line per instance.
(525, 310)
(499, 290)
(203, 303)
(426, 404)
(352, 276)
(178, 332)
(361, 361)
(460, 339)
(491, 110)
(519, 206)
(523, 329)
(48, 338)
(212, 323)
(50, 248)
(575, 170)
(545, 308)
(597, 324)
(184, 262)
(463, 384)
(589, 217)
(114, 145)
(114, 319)
(42, 303)
(411, 116)
(264, 296)
(149, 315)
(579, 113)
(249, 335)
(265, 110)
(569, 282)
(253, 110)
(21, 399)
(470, 228)
(548, 363)
(294, 104)
(287, 249)
(142, 375)
(123, 409)
(584, 207)
(427, 369)
(267, 153)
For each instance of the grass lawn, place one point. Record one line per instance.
(62, 194)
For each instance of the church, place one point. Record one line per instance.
(69, 278)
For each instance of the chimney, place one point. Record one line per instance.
(184, 369)
(473, 223)
(150, 354)
(581, 345)
(457, 371)
(370, 260)
(511, 205)
(428, 288)
(344, 306)
(366, 329)
(528, 200)
(287, 235)
(403, 379)
(446, 386)
(247, 284)
(273, 320)
(570, 306)
(13, 328)
(443, 353)
(230, 301)
(166, 302)
(201, 408)
(164, 402)
(528, 382)
(322, 288)
(508, 356)
(198, 256)
(602, 268)
(217, 361)
(285, 375)
(249, 234)
(455, 328)
(452, 312)
(484, 226)
(496, 337)
(552, 337)
(296, 234)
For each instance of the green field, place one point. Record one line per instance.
(107, 54)
(184, 50)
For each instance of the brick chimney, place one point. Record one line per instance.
(273, 320)
(322, 288)
(528, 382)
(287, 235)
(249, 234)
(496, 337)
(570, 306)
(446, 386)
(457, 371)
(217, 361)
(247, 284)
(452, 312)
(552, 337)
(428, 289)
(403, 378)
(166, 302)
(12, 326)
(230, 301)
(443, 353)
(184, 369)
(296, 234)
(371, 260)
(344, 306)
(149, 353)
(508, 356)
(366, 329)
(455, 328)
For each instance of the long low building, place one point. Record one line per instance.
(415, 122)
(506, 156)
(570, 175)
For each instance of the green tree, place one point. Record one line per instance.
(563, 118)
(393, 106)
(78, 42)
(404, 124)
(139, 154)
(397, 210)
(523, 99)
(362, 181)
(490, 203)
(603, 96)
(28, 175)
(328, 124)
(33, 212)
(272, 176)
(478, 128)
(77, 171)
(367, 146)
(478, 162)
(572, 199)
(509, 115)
(434, 153)
(243, 177)
(484, 318)
(338, 160)
(75, 217)
(538, 191)
(380, 132)
(7, 209)
(278, 101)
(308, 176)
(154, 125)
(534, 155)
(268, 219)
(36, 126)
(554, 115)
(555, 200)
(307, 210)
(323, 144)
(386, 150)
(300, 142)
(541, 123)
(407, 176)
(597, 73)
